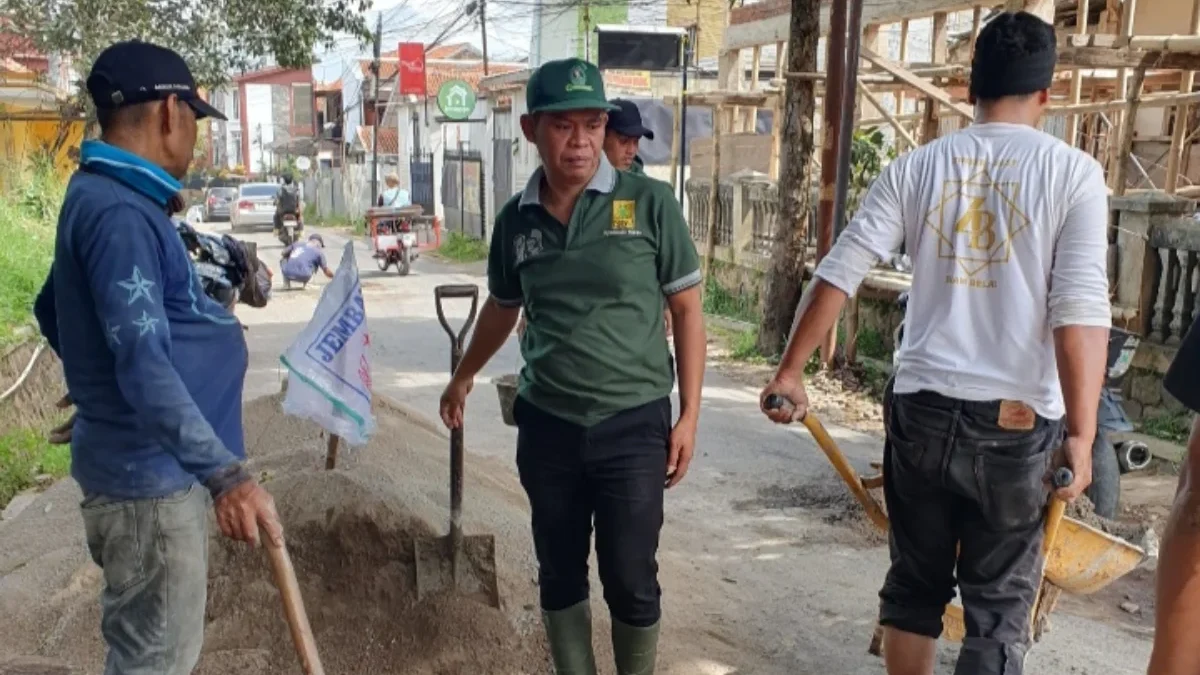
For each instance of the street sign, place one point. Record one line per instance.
(456, 100)
(303, 163)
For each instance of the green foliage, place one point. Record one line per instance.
(872, 345)
(26, 454)
(719, 301)
(1169, 427)
(28, 215)
(216, 37)
(461, 248)
(869, 152)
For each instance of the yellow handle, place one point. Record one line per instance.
(847, 472)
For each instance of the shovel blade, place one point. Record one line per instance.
(473, 574)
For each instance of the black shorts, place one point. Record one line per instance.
(966, 495)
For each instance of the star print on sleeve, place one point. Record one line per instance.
(112, 331)
(146, 324)
(138, 286)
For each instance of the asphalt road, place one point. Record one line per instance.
(760, 552)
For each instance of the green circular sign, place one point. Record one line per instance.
(456, 99)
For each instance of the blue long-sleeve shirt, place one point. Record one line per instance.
(154, 366)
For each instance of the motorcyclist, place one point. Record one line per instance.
(288, 202)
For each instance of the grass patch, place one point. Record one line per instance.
(1174, 428)
(28, 216)
(720, 301)
(461, 248)
(871, 344)
(24, 455)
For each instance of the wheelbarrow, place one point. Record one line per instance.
(458, 563)
(1079, 559)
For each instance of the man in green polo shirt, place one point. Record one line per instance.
(590, 253)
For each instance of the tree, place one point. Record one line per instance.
(216, 37)
(784, 278)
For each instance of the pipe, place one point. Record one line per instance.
(831, 123)
(24, 374)
(846, 119)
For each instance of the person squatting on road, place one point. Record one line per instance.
(1177, 603)
(300, 261)
(158, 430)
(590, 252)
(1007, 331)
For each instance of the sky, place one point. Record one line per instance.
(510, 24)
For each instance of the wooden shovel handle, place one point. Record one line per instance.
(293, 608)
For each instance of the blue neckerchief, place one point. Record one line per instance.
(130, 170)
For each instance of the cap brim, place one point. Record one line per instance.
(634, 132)
(567, 106)
(204, 110)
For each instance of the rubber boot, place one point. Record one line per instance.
(635, 649)
(570, 634)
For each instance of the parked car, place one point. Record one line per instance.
(254, 206)
(218, 202)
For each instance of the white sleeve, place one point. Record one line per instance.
(875, 233)
(1079, 272)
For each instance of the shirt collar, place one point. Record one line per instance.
(604, 181)
(132, 171)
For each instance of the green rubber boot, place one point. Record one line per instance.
(570, 634)
(635, 649)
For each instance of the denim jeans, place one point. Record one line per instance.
(966, 495)
(154, 554)
(612, 473)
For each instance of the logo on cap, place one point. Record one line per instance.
(578, 80)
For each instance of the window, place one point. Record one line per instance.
(302, 105)
(235, 110)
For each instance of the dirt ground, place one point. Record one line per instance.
(1146, 496)
(350, 533)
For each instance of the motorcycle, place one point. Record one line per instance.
(392, 237)
(1109, 460)
(287, 233)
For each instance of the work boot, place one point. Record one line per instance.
(570, 633)
(635, 649)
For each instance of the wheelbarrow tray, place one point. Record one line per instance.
(1083, 559)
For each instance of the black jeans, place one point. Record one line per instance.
(612, 474)
(961, 489)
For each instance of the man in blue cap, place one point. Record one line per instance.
(623, 133)
(590, 253)
(158, 432)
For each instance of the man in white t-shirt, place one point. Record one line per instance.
(1002, 358)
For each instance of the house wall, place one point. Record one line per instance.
(1162, 17)
(272, 108)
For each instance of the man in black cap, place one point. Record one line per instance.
(158, 432)
(623, 134)
(998, 377)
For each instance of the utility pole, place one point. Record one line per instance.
(587, 31)
(786, 273)
(377, 121)
(483, 32)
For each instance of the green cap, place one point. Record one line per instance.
(568, 84)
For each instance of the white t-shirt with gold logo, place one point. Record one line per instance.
(1006, 229)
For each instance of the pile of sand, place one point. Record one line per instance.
(350, 534)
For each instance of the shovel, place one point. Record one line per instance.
(464, 565)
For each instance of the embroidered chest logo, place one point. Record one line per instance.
(527, 246)
(622, 215)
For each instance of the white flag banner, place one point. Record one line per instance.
(328, 370)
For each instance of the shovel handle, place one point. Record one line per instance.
(456, 291)
(293, 608)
